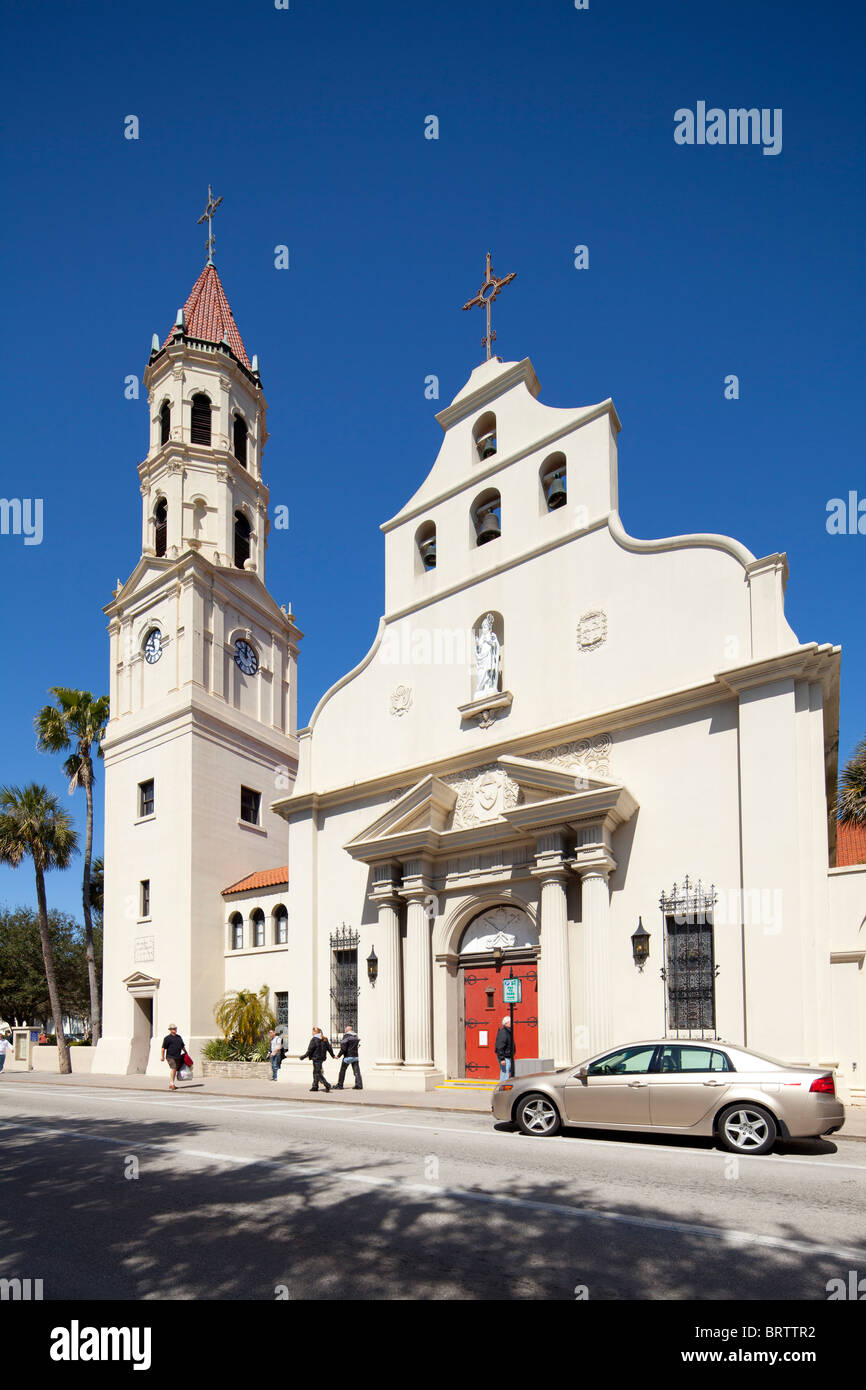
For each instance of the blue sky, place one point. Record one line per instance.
(555, 129)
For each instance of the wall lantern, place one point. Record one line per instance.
(372, 966)
(640, 945)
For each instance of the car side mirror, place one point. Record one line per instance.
(581, 1073)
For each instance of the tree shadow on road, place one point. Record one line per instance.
(131, 1218)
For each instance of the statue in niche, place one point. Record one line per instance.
(488, 654)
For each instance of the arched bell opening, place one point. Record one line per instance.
(425, 547)
(484, 436)
(200, 420)
(243, 534)
(239, 440)
(554, 484)
(487, 517)
(160, 527)
(165, 423)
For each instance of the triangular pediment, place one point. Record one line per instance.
(425, 806)
(139, 981)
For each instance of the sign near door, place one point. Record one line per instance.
(512, 991)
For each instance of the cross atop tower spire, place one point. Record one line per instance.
(207, 216)
(485, 297)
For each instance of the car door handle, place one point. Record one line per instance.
(712, 1083)
(637, 1083)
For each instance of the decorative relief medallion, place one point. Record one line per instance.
(482, 795)
(592, 630)
(401, 700)
(588, 755)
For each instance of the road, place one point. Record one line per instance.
(145, 1196)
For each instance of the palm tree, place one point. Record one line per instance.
(851, 801)
(76, 722)
(33, 825)
(244, 1016)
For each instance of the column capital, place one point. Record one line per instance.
(593, 861)
(554, 871)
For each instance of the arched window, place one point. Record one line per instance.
(553, 482)
(257, 920)
(199, 432)
(425, 541)
(165, 423)
(487, 517)
(281, 926)
(240, 440)
(484, 435)
(236, 928)
(243, 531)
(160, 533)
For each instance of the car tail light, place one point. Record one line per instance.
(825, 1084)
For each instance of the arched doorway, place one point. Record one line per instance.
(497, 942)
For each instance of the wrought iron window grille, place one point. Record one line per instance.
(344, 979)
(690, 970)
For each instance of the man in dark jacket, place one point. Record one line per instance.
(504, 1049)
(349, 1044)
(317, 1051)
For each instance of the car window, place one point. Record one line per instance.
(721, 1062)
(625, 1061)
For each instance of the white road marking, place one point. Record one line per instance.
(725, 1236)
(302, 1112)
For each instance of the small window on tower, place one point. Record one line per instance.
(200, 420)
(240, 440)
(257, 919)
(165, 424)
(145, 798)
(250, 804)
(144, 901)
(160, 518)
(243, 531)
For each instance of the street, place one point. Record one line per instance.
(109, 1195)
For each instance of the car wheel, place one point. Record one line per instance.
(538, 1115)
(747, 1129)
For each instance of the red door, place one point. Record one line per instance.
(484, 1012)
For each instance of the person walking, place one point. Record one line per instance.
(5, 1046)
(173, 1052)
(349, 1044)
(275, 1052)
(317, 1050)
(504, 1049)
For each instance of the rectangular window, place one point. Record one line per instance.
(344, 980)
(145, 897)
(282, 1001)
(250, 803)
(690, 975)
(145, 798)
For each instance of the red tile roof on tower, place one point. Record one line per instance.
(208, 315)
(850, 844)
(263, 878)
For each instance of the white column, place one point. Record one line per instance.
(554, 1002)
(418, 986)
(389, 984)
(595, 915)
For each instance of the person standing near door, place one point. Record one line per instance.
(504, 1049)
(349, 1044)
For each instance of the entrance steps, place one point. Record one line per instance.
(467, 1084)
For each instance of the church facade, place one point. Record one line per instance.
(594, 763)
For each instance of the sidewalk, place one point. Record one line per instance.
(471, 1102)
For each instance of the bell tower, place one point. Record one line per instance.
(203, 729)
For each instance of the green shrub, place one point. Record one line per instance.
(233, 1050)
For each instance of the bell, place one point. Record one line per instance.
(489, 529)
(487, 446)
(556, 494)
(428, 553)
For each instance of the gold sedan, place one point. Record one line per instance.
(670, 1086)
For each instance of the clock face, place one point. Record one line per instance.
(153, 646)
(245, 658)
